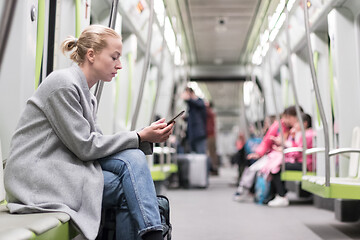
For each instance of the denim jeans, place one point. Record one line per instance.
(198, 145)
(130, 190)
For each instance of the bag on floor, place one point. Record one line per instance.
(164, 208)
(262, 189)
(108, 220)
(193, 170)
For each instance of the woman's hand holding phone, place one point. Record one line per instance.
(174, 118)
(157, 132)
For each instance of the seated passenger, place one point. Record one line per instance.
(61, 162)
(239, 157)
(293, 160)
(288, 119)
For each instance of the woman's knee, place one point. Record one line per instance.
(134, 158)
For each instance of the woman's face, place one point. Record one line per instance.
(107, 62)
(289, 120)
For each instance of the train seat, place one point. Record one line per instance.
(38, 226)
(340, 187)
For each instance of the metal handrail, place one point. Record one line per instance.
(145, 67)
(307, 152)
(292, 149)
(5, 24)
(112, 22)
(332, 152)
(160, 71)
(275, 105)
(297, 106)
(314, 150)
(343, 150)
(258, 115)
(318, 96)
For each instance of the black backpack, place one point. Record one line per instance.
(164, 208)
(107, 226)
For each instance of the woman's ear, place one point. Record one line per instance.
(90, 55)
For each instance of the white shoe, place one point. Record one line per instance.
(279, 202)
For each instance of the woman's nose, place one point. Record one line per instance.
(118, 66)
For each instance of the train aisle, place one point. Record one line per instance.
(210, 214)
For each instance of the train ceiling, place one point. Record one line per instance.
(216, 31)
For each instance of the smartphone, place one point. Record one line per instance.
(174, 118)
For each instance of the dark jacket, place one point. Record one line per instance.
(196, 119)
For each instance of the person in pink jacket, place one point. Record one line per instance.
(293, 160)
(288, 119)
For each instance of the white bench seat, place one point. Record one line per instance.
(28, 226)
(320, 180)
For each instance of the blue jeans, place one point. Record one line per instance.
(130, 190)
(198, 145)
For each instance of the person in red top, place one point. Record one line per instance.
(211, 139)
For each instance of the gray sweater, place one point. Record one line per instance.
(52, 163)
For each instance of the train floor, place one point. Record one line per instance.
(211, 214)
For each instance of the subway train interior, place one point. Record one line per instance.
(253, 64)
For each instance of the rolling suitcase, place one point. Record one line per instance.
(193, 170)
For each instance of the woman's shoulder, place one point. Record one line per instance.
(61, 78)
(66, 78)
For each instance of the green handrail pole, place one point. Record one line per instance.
(77, 18)
(318, 96)
(297, 105)
(39, 41)
(160, 72)
(145, 67)
(5, 25)
(129, 96)
(112, 22)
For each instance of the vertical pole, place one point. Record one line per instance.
(160, 72)
(145, 67)
(112, 21)
(278, 119)
(5, 25)
(318, 96)
(297, 106)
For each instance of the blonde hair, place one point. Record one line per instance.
(93, 36)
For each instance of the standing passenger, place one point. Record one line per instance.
(61, 161)
(196, 130)
(211, 138)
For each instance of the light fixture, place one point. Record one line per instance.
(218, 61)
(220, 25)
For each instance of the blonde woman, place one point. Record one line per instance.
(61, 161)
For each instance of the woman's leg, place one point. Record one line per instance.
(114, 199)
(132, 188)
(278, 184)
(293, 166)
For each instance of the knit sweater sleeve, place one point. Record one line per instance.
(65, 114)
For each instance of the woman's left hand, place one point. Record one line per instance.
(157, 132)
